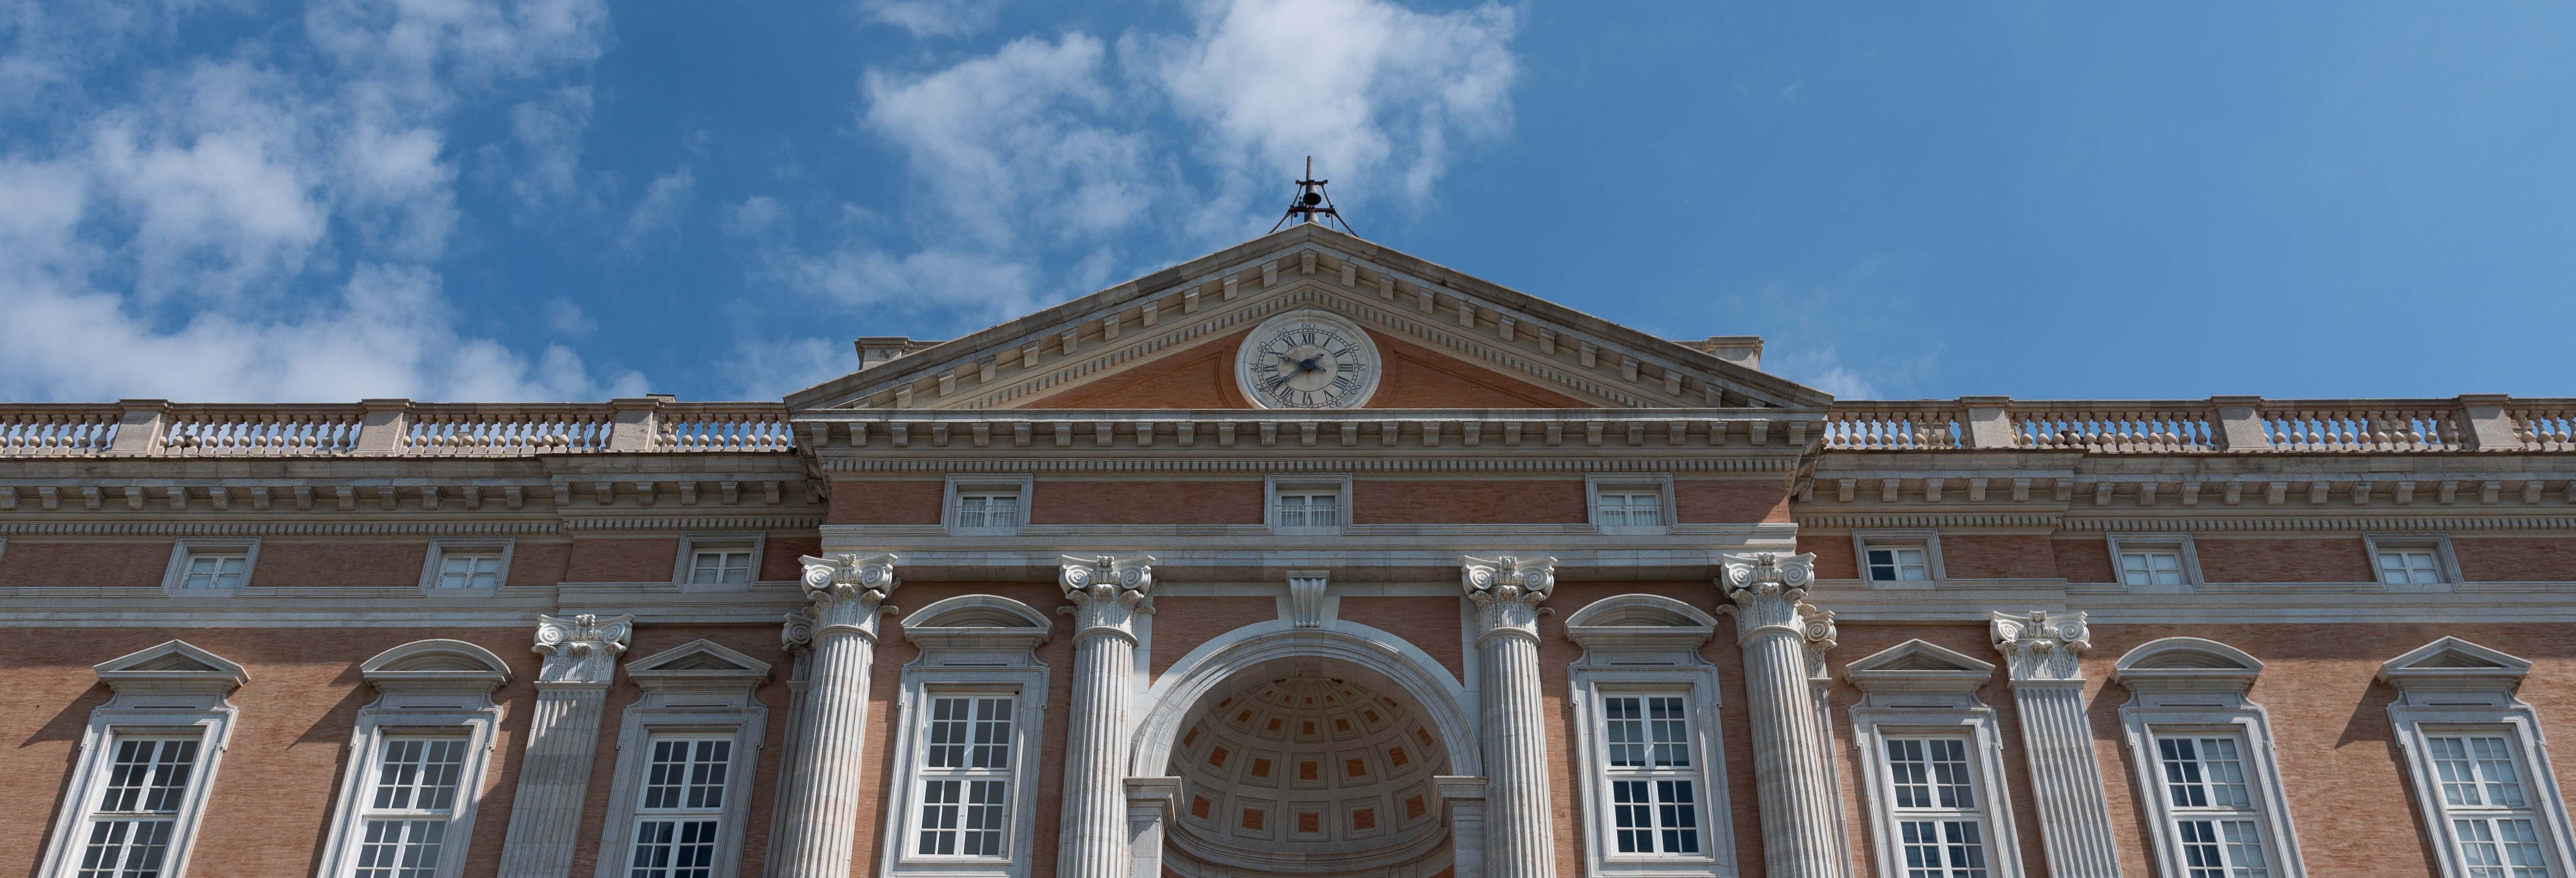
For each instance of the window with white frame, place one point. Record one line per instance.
(417, 756)
(2205, 769)
(680, 816)
(971, 708)
(1894, 559)
(2408, 561)
(1630, 504)
(1652, 799)
(1309, 505)
(409, 809)
(2151, 567)
(1654, 787)
(1928, 745)
(987, 505)
(1933, 794)
(965, 777)
(147, 761)
(2155, 562)
(718, 562)
(2217, 830)
(137, 809)
(210, 566)
(466, 565)
(683, 752)
(2493, 823)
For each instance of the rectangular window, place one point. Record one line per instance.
(2218, 832)
(1310, 510)
(966, 777)
(720, 564)
(2490, 813)
(988, 509)
(1631, 508)
(681, 808)
(469, 569)
(407, 812)
(138, 810)
(215, 569)
(1939, 824)
(1654, 801)
(2409, 566)
(2150, 567)
(1898, 564)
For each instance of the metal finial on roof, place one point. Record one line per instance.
(1311, 202)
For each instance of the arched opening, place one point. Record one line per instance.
(1307, 765)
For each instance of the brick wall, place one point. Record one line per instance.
(1107, 502)
(2084, 560)
(99, 564)
(1997, 556)
(885, 502)
(1390, 501)
(2515, 559)
(2336, 559)
(1730, 501)
(295, 564)
(622, 559)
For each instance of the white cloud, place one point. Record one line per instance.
(1014, 145)
(253, 226)
(1375, 92)
(566, 318)
(547, 131)
(767, 367)
(657, 215)
(933, 18)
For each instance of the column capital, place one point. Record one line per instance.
(2040, 646)
(1107, 593)
(1507, 591)
(848, 591)
(581, 650)
(1769, 590)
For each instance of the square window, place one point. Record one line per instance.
(2401, 566)
(986, 505)
(210, 566)
(1630, 504)
(474, 570)
(1312, 505)
(215, 569)
(718, 562)
(1899, 564)
(2150, 567)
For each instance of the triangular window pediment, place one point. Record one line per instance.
(1188, 312)
(698, 658)
(176, 664)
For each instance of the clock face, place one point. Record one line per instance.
(1307, 360)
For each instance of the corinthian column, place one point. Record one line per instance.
(822, 803)
(1784, 640)
(563, 737)
(1520, 836)
(1107, 595)
(2043, 651)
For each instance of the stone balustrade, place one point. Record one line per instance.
(390, 427)
(154, 428)
(2217, 424)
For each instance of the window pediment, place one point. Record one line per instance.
(176, 665)
(436, 664)
(2455, 665)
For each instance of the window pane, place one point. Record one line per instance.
(939, 804)
(126, 848)
(673, 849)
(400, 849)
(686, 774)
(149, 775)
(418, 774)
(469, 570)
(2457, 774)
(2495, 767)
(1909, 773)
(1627, 731)
(2183, 782)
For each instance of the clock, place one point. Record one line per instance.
(1307, 360)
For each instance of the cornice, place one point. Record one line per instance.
(2325, 523)
(1857, 521)
(694, 522)
(278, 528)
(1276, 464)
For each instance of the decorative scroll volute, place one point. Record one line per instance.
(1507, 592)
(849, 592)
(582, 649)
(1107, 593)
(2040, 646)
(1768, 590)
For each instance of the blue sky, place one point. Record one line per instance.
(571, 199)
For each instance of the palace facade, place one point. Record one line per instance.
(1307, 557)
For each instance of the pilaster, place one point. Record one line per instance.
(563, 740)
(1106, 595)
(1785, 640)
(819, 834)
(1520, 834)
(2043, 653)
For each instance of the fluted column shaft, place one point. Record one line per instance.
(2043, 653)
(1792, 765)
(819, 834)
(563, 740)
(1106, 596)
(1520, 832)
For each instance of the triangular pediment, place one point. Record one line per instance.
(175, 663)
(1466, 343)
(699, 658)
(1919, 666)
(2454, 654)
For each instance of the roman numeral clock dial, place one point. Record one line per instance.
(1307, 360)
